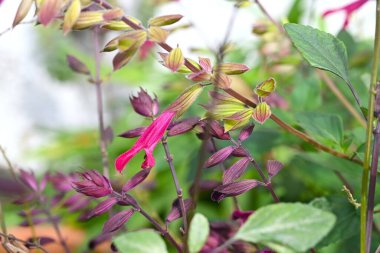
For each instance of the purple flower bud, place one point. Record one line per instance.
(233, 189)
(77, 66)
(133, 133)
(137, 179)
(239, 152)
(117, 221)
(219, 156)
(183, 126)
(175, 213)
(38, 220)
(273, 167)
(94, 184)
(216, 130)
(241, 215)
(72, 200)
(235, 171)
(61, 182)
(29, 180)
(246, 132)
(143, 104)
(102, 207)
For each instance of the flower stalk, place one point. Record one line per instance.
(370, 117)
(169, 159)
(99, 102)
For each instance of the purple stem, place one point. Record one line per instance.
(99, 101)
(169, 158)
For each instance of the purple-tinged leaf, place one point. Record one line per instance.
(29, 180)
(246, 132)
(235, 171)
(137, 179)
(175, 213)
(239, 152)
(102, 207)
(183, 126)
(133, 133)
(219, 156)
(48, 11)
(77, 66)
(117, 221)
(233, 189)
(273, 167)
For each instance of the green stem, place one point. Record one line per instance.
(370, 117)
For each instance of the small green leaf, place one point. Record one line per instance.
(322, 50)
(198, 233)
(327, 128)
(144, 241)
(287, 227)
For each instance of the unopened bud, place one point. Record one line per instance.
(144, 104)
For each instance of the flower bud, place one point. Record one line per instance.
(175, 59)
(157, 34)
(175, 213)
(232, 68)
(93, 184)
(266, 88)
(144, 104)
(48, 11)
(134, 132)
(219, 156)
(262, 112)
(165, 20)
(102, 207)
(136, 180)
(22, 11)
(221, 80)
(117, 221)
(77, 66)
(71, 16)
(235, 171)
(246, 132)
(184, 100)
(183, 126)
(273, 167)
(233, 189)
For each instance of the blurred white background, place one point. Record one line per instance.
(29, 97)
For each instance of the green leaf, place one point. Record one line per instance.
(322, 50)
(288, 226)
(198, 233)
(144, 241)
(327, 128)
(295, 12)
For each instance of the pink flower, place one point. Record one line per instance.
(348, 9)
(147, 142)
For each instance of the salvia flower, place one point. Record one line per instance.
(93, 184)
(155, 131)
(347, 9)
(143, 104)
(147, 142)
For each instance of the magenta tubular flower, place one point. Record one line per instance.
(147, 142)
(348, 9)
